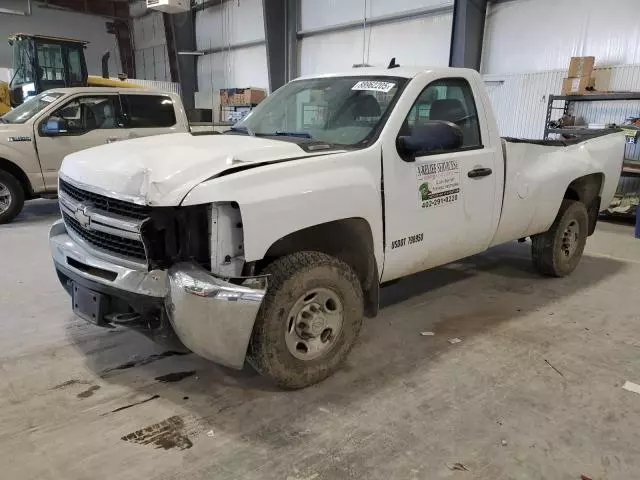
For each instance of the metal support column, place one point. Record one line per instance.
(281, 27)
(467, 33)
(183, 31)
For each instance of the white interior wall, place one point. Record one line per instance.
(231, 23)
(60, 24)
(323, 13)
(537, 35)
(150, 44)
(423, 40)
(245, 67)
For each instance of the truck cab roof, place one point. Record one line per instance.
(404, 72)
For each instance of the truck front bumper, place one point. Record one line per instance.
(212, 317)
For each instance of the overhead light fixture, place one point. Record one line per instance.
(196, 54)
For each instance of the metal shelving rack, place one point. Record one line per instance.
(233, 108)
(629, 186)
(569, 99)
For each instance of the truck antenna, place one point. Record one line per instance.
(393, 64)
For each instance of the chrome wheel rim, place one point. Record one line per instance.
(314, 324)
(570, 239)
(5, 198)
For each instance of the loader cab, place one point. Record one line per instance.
(41, 63)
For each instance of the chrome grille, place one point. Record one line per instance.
(106, 204)
(109, 226)
(106, 241)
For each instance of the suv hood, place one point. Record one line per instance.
(161, 170)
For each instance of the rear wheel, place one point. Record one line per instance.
(558, 251)
(11, 197)
(308, 321)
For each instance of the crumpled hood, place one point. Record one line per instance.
(161, 170)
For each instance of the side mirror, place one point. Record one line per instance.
(429, 137)
(53, 127)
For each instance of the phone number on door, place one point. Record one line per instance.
(440, 201)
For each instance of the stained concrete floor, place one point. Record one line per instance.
(533, 390)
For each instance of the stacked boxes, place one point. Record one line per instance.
(242, 96)
(580, 79)
(236, 103)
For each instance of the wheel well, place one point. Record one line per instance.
(587, 190)
(349, 240)
(16, 171)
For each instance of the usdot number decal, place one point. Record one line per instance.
(415, 238)
(410, 240)
(398, 243)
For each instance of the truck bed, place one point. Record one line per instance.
(538, 172)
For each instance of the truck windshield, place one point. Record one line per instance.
(346, 111)
(28, 109)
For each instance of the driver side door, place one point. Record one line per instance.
(86, 121)
(439, 203)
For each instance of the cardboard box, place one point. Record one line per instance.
(581, 66)
(242, 96)
(577, 86)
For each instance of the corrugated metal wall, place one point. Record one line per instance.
(324, 13)
(223, 27)
(423, 40)
(538, 35)
(520, 100)
(150, 44)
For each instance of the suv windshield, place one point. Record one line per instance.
(346, 111)
(29, 108)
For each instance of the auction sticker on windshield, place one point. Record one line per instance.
(48, 99)
(374, 86)
(438, 183)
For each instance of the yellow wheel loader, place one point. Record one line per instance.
(40, 63)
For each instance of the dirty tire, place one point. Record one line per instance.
(16, 193)
(549, 257)
(290, 277)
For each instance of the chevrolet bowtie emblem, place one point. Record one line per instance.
(82, 216)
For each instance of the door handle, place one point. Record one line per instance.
(479, 172)
(112, 139)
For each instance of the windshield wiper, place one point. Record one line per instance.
(246, 130)
(292, 134)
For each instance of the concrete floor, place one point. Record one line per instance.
(533, 390)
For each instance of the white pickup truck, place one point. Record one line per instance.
(270, 242)
(36, 136)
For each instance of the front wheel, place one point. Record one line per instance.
(308, 321)
(11, 197)
(558, 251)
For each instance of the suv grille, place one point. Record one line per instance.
(106, 204)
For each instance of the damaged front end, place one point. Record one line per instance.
(151, 269)
(213, 317)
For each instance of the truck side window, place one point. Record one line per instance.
(83, 114)
(148, 111)
(451, 100)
